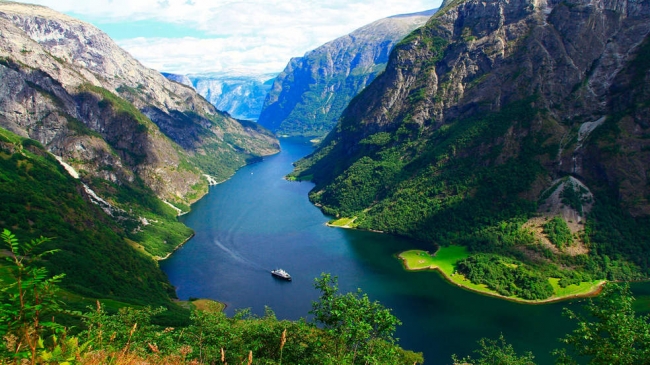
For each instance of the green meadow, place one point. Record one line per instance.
(445, 259)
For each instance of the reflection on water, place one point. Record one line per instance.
(257, 222)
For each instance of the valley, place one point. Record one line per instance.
(475, 176)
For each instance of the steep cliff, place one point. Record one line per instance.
(69, 86)
(134, 136)
(40, 198)
(241, 96)
(497, 112)
(181, 79)
(307, 98)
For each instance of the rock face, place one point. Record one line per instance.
(181, 79)
(241, 96)
(307, 98)
(69, 86)
(481, 110)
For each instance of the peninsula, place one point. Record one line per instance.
(445, 259)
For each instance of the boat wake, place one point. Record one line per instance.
(237, 256)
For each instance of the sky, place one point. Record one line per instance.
(230, 36)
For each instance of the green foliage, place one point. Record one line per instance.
(222, 162)
(81, 129)
(608, 332)
(162, 233)
(40, 198)
(496, 352)
(612, 333)
(26, 300)
(430, 188)
(573, 195)
(358, 325)
(558, 232)
(119, 105)
(616, 236)
(506, 276)
(378, 139)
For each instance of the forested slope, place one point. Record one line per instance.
(493, 119)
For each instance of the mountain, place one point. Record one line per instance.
(181, 79)
(307, 98)
(74, 90)
(40, 198)
(241, 96)
(496, 117)
(143, 148)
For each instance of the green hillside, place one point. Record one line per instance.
(41, 199)
(457, 143)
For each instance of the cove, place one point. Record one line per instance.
(257, 221)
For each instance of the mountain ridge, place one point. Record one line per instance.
(144, 147)
(308, 97)
(80, 59)
(480, 112)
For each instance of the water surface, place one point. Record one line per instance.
(257, 221)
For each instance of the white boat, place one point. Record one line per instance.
(281, 274)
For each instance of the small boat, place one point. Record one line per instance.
(281, 274)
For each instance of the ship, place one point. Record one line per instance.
(279, 273)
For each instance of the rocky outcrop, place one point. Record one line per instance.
(481, 110)
(307, 98)
(241, 96)
(69, 86)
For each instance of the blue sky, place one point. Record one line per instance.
(234, 36)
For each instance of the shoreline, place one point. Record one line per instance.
(592, 293)
(158, 258)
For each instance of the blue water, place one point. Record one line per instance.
(257, 221)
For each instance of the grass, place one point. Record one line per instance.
(573, 290)
(444, 261)
(300, 178)
(208, 305)
(343, 222)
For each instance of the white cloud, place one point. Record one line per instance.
(260, 35)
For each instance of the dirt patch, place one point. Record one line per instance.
(536, 226)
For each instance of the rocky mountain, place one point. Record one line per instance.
(241, 96)
(40, 198)
(498, 113)
(307, 98)
(69, 86)
(181, 79)
(137, 140)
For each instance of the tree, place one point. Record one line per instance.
(361, 327)
(493, 352)
(611, 334)
(25, 299)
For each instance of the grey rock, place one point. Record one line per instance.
(181, 79)
(69, 86)
(241, 96)
(308, 97)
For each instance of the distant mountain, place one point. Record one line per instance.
(307, 98)
(181, 79)
(241, 96)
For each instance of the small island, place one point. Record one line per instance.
(444, 261)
